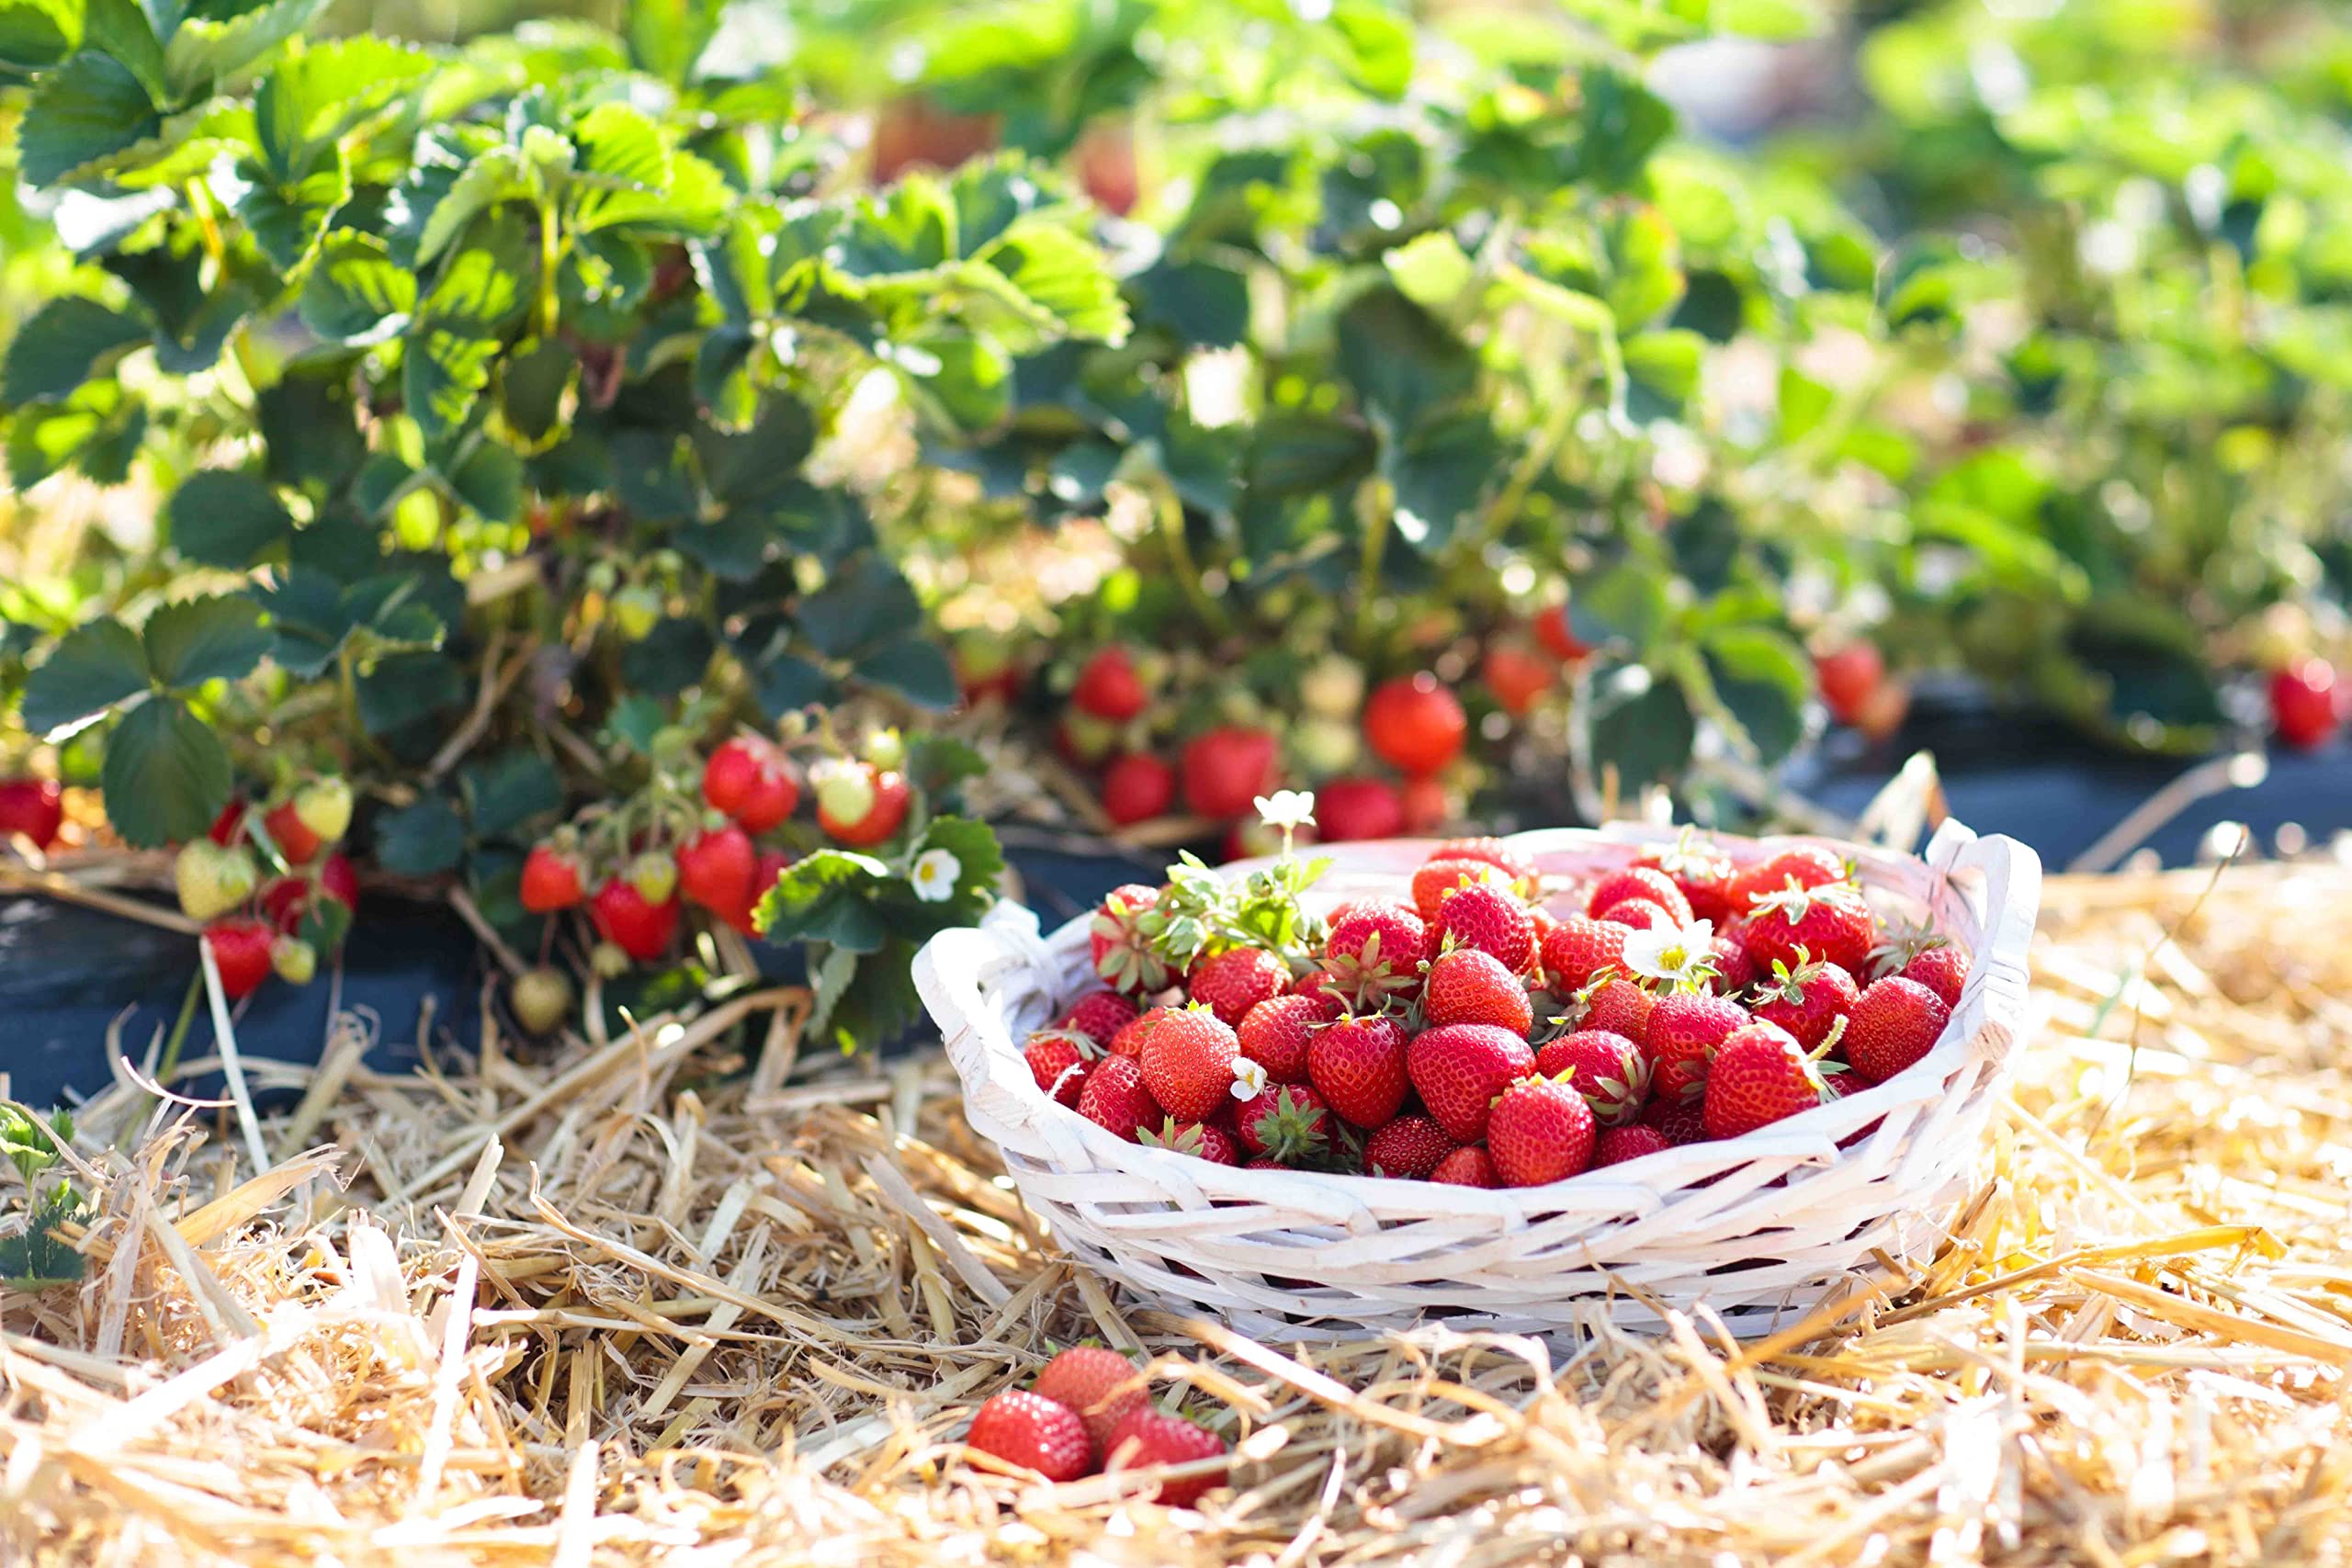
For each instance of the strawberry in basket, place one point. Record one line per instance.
(1474, 1026)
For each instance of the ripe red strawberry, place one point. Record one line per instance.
(1033, 1432)
(1813, 866)
(1230, 983)
(1849, 677)
(1277, 1032)
(1806, 1000)
(1414, 725)
(241, 951)
(1108, 687)
(1760, 1075)
(1893, 1024)
(1620, 1006)
(1552, 631)
(1491, 920)
(748, 780)
(1374, 953)
(1830, 923)
(1540, 1131)
(716, 870)
(1136, 788)
(1100, 1384)
(880, 820)
(1512, 863)
(1410, 1148)
(1114, 1097)
(1202, 1140)
(1458, 1068)
(1060, 1060)
(1467, 985)
(2306, 704)
(1228, 768)
(1432, 881)
(1637, 914)
(1265, 1162)
(290, 833)
(1188, 1061)
(623, 917)
(1735, 971)
(1617, 1145)
(1285, 1123)
(1685, 1030)
(1638, 882)
(1469, 1165)
(288, 899)
(550, 880)
(1579, 949)
(1608, 1069)
(1517, 675)
(1352, 809)
(1699, 871)
(1357, 1065)
(1122, 948)
(35, 807)
(1098, 1015)
(1942, 969)
(1146, 1438)
(1679, 1123)
(1129, 1038)
(1426, 803)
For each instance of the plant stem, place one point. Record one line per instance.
(548, 257)
(1170, 513)
(1376, 544)
(170, 1061)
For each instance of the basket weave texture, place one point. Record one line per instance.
(1757, 1228)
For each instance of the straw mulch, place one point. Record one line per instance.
(682, 1299)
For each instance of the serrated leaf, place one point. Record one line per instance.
(65, 343)
(286, 221)
(916, 669)
(166, 774)
(511, 791)
(408, 688)
(825, 897)
(618, 145)
(1641, 726)
(37, 33)
(866, 603)
(97, 430)
(1066, 280)
(1431, 270)
(201, 51)
(489, 482)
(38, 1257)
(1378, 46)
(88, 107)
(910, 228)
(496, 175)
(1763, 680)
(310, 100)
(221, 517)
(456, 332)
(1401, 361)
(785, 682)
(980, 865)
(694, 204)
(760, 463)
(422, 840)
(356, 294)
(1625, 603)
(96, 666)
(191, 641)
(670, 657)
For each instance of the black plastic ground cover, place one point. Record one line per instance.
(67, 973)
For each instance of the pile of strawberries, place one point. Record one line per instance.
(1490, 1027)
(1088, 1412)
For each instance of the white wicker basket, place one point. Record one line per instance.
(1755, 1227)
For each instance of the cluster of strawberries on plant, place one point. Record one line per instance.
(1413, 724)
(1487, 1026)
(1089, 1412)
(269, 886)
(703, 834)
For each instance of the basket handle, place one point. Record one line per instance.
(977, 976)
(1994, 1003)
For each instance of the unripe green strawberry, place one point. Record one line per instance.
(1333, 687)
(609, 959)
(885, 748)
(541, 998)
(295, 960)
(1326, 747)
(636, 612)
(654, 876)
(844, 789)
(324, 808)
(212, 880)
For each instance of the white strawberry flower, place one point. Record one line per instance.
(934, 875)
(1685, 955)
(1248, 1079)
(1288, 809)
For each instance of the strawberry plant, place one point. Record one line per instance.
(502, 408)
